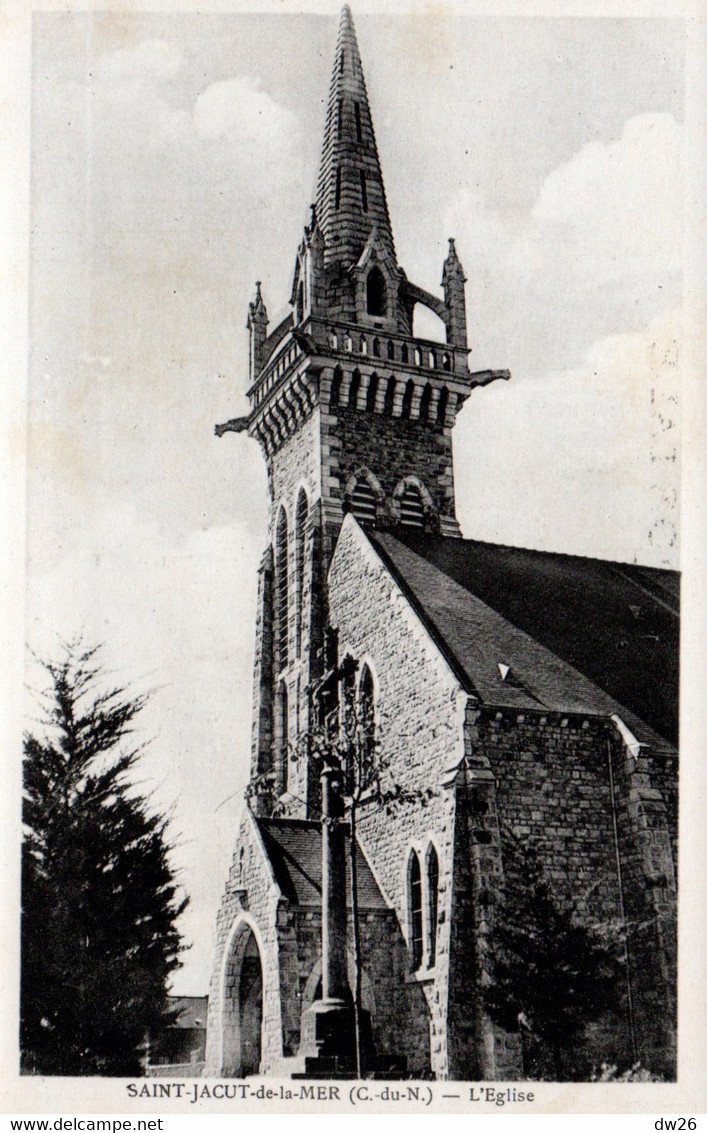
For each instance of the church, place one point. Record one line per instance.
(522, 704)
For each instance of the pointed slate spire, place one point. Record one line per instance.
(350, 191)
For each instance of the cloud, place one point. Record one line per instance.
(598, 253)
(620, 202)
(132, 82)
(589, 457)
(238, 108)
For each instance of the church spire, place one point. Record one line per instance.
(350, 192)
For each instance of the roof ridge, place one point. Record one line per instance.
(535, 551)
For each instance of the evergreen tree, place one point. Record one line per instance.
(548, 974)
(99, 896)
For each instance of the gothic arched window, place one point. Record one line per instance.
(391, 349)
(281, 599)
(432, 905)
(281, 739)
(411, 508)
(415, 909)
(366, 711)
(300, 550)
(376, 293)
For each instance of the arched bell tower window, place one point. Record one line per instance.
(415, 909)
(376, 293)
(281, 601)
(363, 501)
(300, 551)
(411, 510)
(432, 904)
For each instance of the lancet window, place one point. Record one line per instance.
(281, 601)
(300, 553)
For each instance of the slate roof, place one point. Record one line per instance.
(577, 634)
(275, 338)
(294, 847)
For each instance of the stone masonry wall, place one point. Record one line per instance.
(250, 901)
(399, 1017)
(477, 1048)
(419, 722)
(555, 792)
(296, 465)
(297, 462)
(547, 782)
(390, 447)
(646, 836)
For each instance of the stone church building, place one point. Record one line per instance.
(520, 698)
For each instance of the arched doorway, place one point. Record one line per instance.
(243, 1007)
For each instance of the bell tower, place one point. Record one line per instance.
(352, 412)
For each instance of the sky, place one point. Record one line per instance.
(174, 158)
